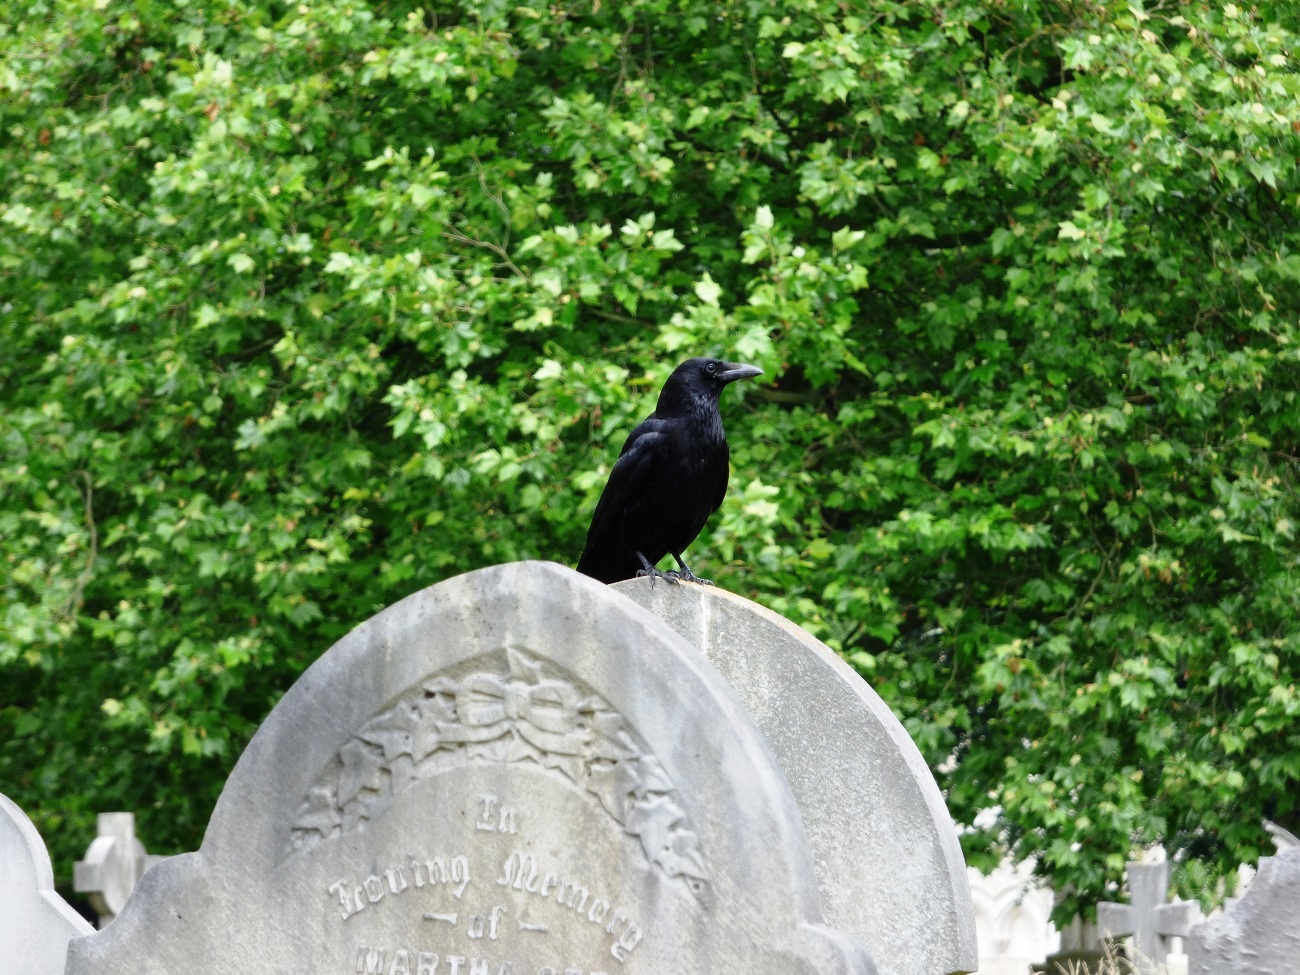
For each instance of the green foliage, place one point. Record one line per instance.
(305, 307)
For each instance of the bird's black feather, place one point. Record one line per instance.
(670, 476)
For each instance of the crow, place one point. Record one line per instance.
(669, 477)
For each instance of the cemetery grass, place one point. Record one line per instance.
(1117, 959)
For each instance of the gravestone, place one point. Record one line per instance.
(1147, 918)
(515, 772)
(1080, 953)
(1260, 933)
(1012, 919)
(35, 922)
(113, 866)
(888, 859)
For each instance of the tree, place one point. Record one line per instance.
(309, 306)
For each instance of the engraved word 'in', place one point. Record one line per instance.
(496, 818)
(355, 898)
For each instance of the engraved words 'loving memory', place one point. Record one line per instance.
(520, 871)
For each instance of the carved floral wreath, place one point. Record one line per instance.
(527, 714)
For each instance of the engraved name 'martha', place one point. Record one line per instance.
(411, 961)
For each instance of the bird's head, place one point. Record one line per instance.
(700, 379)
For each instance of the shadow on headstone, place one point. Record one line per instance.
(888, 859)
(35, 922)
(515, 772)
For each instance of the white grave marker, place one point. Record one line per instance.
(35, 922)
(114, 864)
(1151, 921)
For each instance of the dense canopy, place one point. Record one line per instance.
(306, 306)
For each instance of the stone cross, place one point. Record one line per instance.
(1147, 917)
(114, 864)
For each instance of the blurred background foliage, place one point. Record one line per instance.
(307, 306)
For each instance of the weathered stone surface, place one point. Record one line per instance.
(515, 772)
(888, 860)
(35, 922)
(1260, 934)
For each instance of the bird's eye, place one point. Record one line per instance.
(711, 368)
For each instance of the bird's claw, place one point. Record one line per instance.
(654, 574)
(690, 576)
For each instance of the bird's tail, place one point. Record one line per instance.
(608, 567)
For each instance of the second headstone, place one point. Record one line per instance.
(887, 854)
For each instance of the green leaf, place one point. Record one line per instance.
(707, 290)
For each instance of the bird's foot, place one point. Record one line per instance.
(654, 574)
(648, 569)
(686, 573)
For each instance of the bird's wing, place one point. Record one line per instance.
(625, 486)
(720, 492)
(627, 477)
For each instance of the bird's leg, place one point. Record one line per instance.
(687, 574)
(649, 570)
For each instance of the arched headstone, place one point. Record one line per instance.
(1012, 919)
(515, 772)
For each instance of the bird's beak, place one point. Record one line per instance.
(738, 370)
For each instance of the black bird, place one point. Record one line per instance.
(670, 476)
